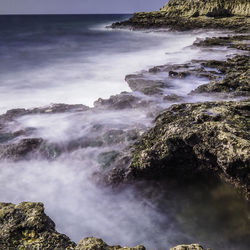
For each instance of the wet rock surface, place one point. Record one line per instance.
(236, 80)
(189, 138)
(240, 42)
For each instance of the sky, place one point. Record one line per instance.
(77, 6)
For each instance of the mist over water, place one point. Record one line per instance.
(75, 59)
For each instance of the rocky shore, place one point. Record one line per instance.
(187, 140)
(189, 14)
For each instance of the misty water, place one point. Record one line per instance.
(76, 60)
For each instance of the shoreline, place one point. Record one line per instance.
(130, 170)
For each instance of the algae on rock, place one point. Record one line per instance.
(91, 243)
(26, 226)
(195, 138)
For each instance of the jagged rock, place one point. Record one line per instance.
(122, 101)
(92, 243)
(236, 81)
(188, 139)
(229, 41)
(26, 226)
(188, 247)
(54, 108)
(148, 87)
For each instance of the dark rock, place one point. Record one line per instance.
(121, 101)
(106, 159)
(54, 108)
(148, 87)
(21, 149)
(173, 98)
(229, 41)
(181, 75)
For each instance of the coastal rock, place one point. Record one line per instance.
(52, 109)
(92, 243)
(20, 150)
(189, 139)
(240, 42)
(188, 247)
(236, 80)
(26, 226)
(148, 87)
(212, 8)
(194, 14)
(122, 101)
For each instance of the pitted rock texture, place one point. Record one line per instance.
(236, 80)
(213, 8)
(92, 243)
(26, 226)
(188, 247)
(188, 139)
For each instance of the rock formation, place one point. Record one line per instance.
(210, 8)
(191, 138)
(26, 226)
(191, 14)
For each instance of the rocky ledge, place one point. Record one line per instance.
(189, 139)
(192, 14)
(26, 226)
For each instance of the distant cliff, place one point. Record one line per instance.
(194, 14)
(213, 8)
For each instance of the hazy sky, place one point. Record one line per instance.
(77, 6)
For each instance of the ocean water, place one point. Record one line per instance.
(76, 60)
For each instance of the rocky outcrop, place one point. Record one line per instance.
(188, 139)
(188, 247)
(212, 8)
(192, 14)
(240, 42)
(92, 243)
(236, 80)
(26, 226)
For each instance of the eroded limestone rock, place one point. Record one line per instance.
(26, 226)
(188, 247)
(192, 138)
(92, 243)
(193, 14)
